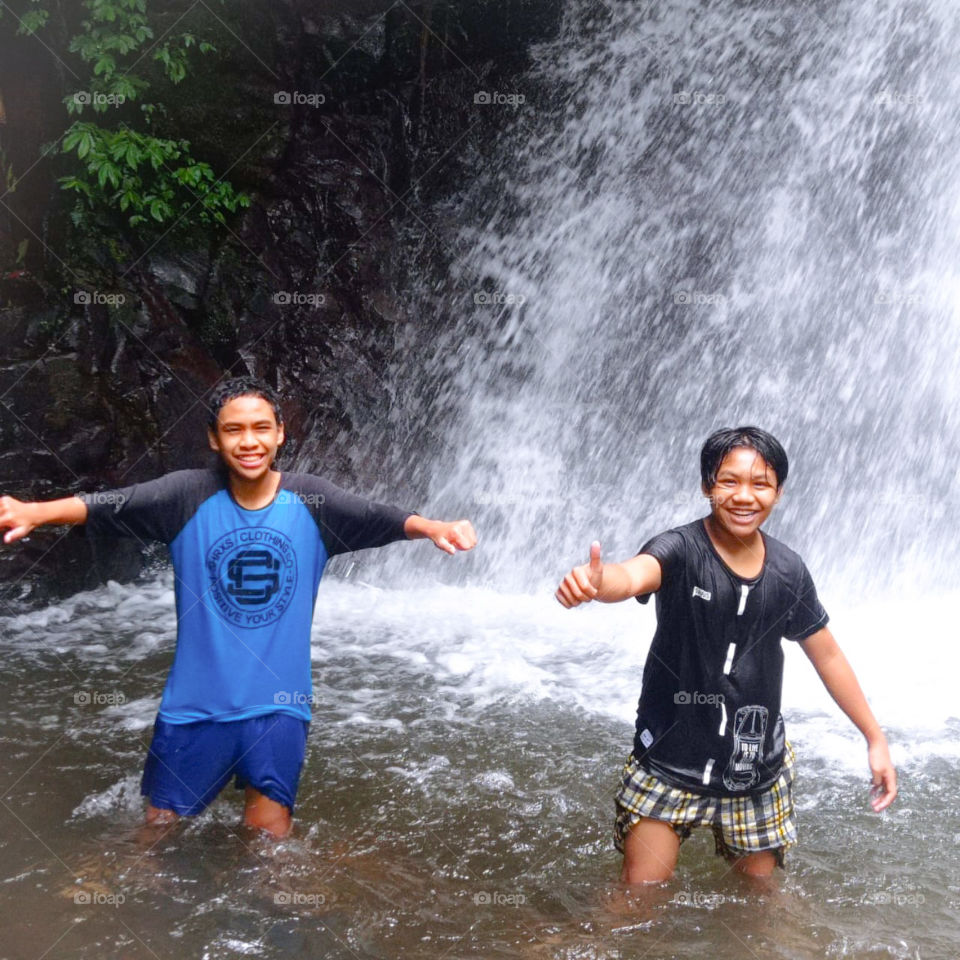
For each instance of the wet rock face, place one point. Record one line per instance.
(307, 289)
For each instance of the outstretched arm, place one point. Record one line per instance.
(609, 582)
(841, 683)
(18, 518)
(447, 536)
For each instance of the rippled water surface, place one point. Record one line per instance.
(456, 801)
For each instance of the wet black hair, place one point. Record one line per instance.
(721, 442)
(230, 389)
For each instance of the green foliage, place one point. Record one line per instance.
(125, 173)
(31, 20)
(145, 177)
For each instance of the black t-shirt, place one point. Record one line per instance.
(709, 714)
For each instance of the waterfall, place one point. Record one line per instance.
(701, 216)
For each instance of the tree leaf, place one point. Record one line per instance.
(72, 138)
(86, 144)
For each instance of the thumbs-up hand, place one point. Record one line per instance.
(583, 583)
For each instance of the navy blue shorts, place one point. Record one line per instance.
(190, 763)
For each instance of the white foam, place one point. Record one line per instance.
(109, 622)
(224, 943)
(484, 647)
(134, 715)
(123, 796)
(361, 719)
(496, 781)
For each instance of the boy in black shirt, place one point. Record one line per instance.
(710, 746)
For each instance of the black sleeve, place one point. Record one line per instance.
(807, 615)
(347, 522)
(154, 510)
(668, 550)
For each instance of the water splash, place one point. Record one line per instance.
(701, 216)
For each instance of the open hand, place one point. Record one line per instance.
(16, 518)
(582, 584)
(884, 789)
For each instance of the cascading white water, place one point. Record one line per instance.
(704, 215)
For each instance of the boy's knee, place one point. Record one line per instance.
(266, 814)
(644, 872)
(760, 864)
(650, 851)
(277, 824)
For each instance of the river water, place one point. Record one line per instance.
(699, 214)
(457, 797)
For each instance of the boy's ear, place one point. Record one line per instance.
(212, 440)
(281, 435)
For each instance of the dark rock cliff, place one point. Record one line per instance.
(354, 174)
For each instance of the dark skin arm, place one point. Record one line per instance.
(447, 536)
(609, 582)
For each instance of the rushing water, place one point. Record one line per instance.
(713, 213)
(457, 802)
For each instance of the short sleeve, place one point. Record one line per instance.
(807, 615)
(154, 510)
(348, 522)
(667, 548)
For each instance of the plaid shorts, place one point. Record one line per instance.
(741, 825)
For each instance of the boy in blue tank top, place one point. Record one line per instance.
(249, 544)
(710, 747)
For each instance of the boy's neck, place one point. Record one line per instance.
(254, 494)
(745, 556)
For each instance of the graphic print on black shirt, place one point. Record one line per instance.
(709, 719)
(749, 732)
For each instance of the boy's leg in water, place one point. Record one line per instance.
(649, 852)
(759, 864)
(260, 811)
(155, 826)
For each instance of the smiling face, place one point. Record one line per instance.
(247, 437)
(744, 493)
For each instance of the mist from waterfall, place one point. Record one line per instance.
(703, 216)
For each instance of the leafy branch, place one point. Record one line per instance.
(149, 179)
(145, 176)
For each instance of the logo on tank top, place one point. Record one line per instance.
(252, 573)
